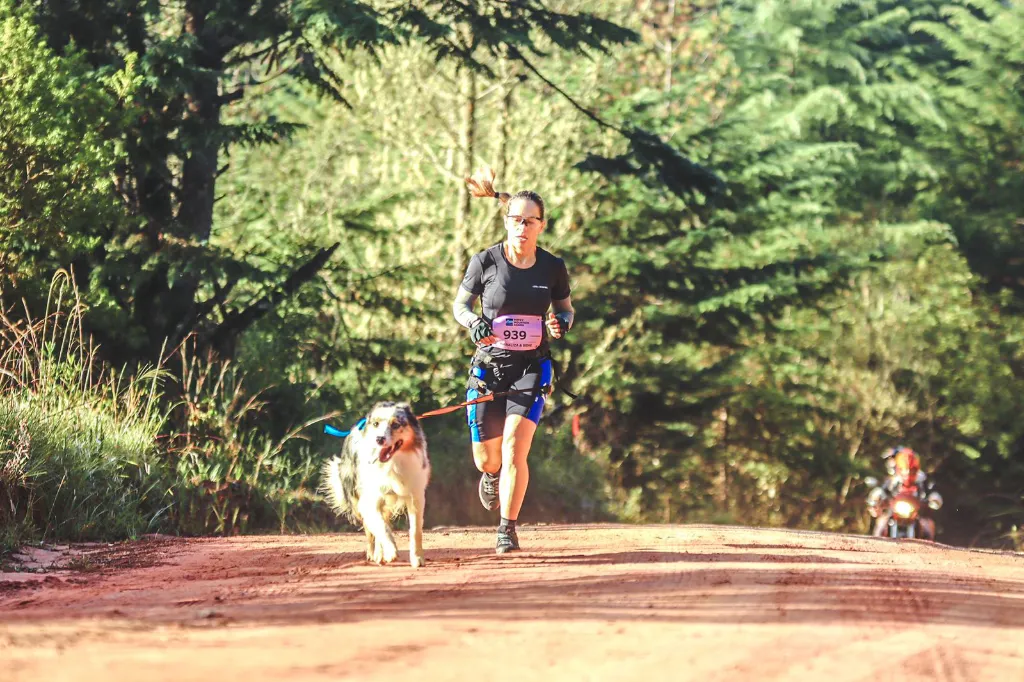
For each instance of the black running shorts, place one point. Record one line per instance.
(528, 378)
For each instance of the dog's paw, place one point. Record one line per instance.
(416, 560)
(390, 554)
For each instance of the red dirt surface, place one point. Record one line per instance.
(601, 602)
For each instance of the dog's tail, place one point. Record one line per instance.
(338, 486)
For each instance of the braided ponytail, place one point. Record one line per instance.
(481, 186)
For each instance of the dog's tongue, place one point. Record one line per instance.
(386, 453)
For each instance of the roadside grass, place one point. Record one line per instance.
(78, 455)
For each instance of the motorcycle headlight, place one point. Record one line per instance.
(934, 501)
(904, 509)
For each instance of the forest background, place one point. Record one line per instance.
(794, 230)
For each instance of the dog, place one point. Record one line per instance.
(383, 470)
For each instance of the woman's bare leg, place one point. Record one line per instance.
(487, 456)
(515, 473)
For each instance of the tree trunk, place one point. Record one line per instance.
(723, 464)
(670, 45)
(504, 116)
(201, 125)
(467, 143)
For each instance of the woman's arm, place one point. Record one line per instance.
(560, 322)
(462, 308)
(479, 328)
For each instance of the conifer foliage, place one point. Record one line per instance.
(686, 282)
(155, 275)
(977, 75)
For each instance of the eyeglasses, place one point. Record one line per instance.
(528, 220)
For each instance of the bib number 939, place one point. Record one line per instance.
(518, 332)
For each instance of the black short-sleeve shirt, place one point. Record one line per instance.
(507, 290)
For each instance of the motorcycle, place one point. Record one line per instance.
(898, 512)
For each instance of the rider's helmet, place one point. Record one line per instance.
(907, 464)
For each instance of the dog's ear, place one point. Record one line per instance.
(405, 411)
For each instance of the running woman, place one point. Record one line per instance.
(517, 282)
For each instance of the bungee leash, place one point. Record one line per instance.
(338, 433)
(555, 384)
(476, 401)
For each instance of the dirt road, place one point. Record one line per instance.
(582, 603)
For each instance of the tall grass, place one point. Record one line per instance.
(89, 453)
(231, 475)
(78, 455)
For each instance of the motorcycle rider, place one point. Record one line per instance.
(905, 477)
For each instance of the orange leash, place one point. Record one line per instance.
(476, 401)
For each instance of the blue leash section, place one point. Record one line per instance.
(338, 433)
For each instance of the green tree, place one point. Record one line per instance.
(976, 70)
(59, 151)
(912, 352)
(159, 278)
(685, 284)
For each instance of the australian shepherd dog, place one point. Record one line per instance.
(382, 471)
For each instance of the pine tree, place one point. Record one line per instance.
(158, 279)
(976, 71)
(803, 130)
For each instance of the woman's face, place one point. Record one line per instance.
(523, 222)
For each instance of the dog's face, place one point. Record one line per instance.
(389, 428)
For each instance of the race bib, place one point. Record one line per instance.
(518, 332)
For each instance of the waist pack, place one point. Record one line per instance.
(491, 375)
